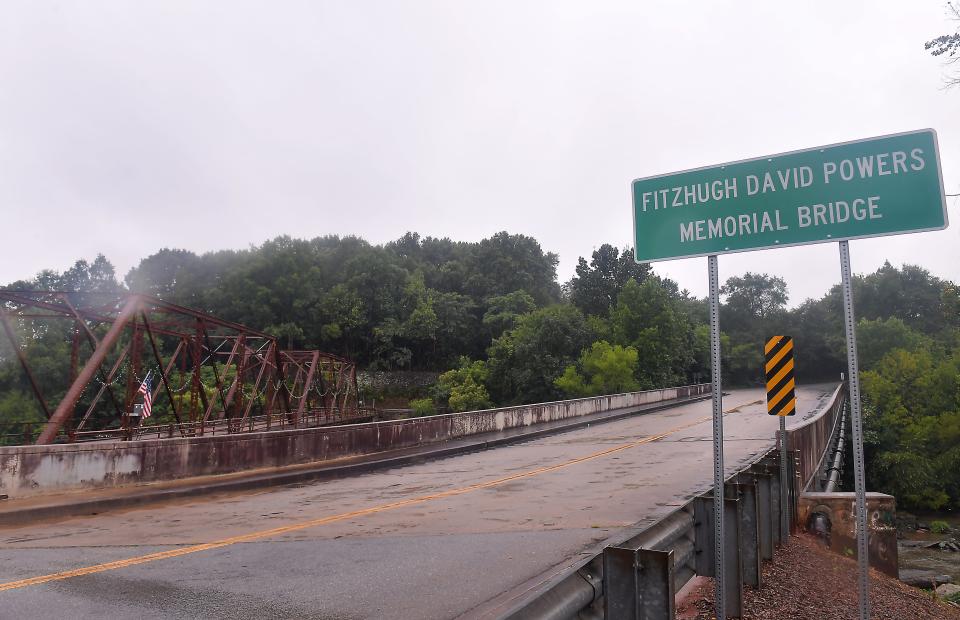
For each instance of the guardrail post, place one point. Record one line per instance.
(777, 508)
(703, 535)
(638, 584)
(746, 492)
(766, 519)
(703, 528)
(733, 585)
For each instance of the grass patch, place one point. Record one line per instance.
(939, 527)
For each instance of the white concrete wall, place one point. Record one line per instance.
(35, 470)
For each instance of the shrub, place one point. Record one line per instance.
(463, 388)
(939, 527)
(422, 407)
(469, 396)
(607, 369)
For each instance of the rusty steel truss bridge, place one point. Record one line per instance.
(208, 375)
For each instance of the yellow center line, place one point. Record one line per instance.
(259, 535)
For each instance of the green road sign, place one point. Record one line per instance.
(866, 188)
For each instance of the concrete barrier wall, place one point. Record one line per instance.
(840, 509)
(812, 438)
(35, 470)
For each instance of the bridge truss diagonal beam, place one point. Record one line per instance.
(209, 375)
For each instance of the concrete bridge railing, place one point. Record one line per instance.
(42, 469)
(812, 440)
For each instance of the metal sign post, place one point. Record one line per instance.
(717, 437)
(781, 401)
(863, 559)
(784, 515)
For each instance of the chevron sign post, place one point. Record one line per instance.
(781, 401)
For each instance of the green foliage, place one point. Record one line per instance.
(415, 303)
(743, 363)
(463, 387)
(596, 287)
(469, 396)
(525, 362)
(423, 407)
(911, 478)
(46, 343)
(755, 309)
(504, 310)
(606, 369)
(878, 337)
(700, 370)
(939, 527)
(818, 340)
(572, 383)
(950, 305)
(342, 316)
(289, 334)
(909, 293)
(505, 263)
(754, 296)
(650, 318)
(19, 414)
(912, 427)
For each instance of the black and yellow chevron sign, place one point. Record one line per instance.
(781, 396)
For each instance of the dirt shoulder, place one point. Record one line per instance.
(807, 581)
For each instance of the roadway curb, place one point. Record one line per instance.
(15, 516)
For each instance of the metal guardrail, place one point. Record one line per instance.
(638, 578)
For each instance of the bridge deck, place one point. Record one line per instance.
(433, 540)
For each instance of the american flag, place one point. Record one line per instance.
(147, 396)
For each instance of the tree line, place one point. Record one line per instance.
(492, 318)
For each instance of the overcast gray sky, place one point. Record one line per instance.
(126, 127)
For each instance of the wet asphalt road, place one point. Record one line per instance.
(433, 540)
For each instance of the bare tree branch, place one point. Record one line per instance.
(947, 46)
